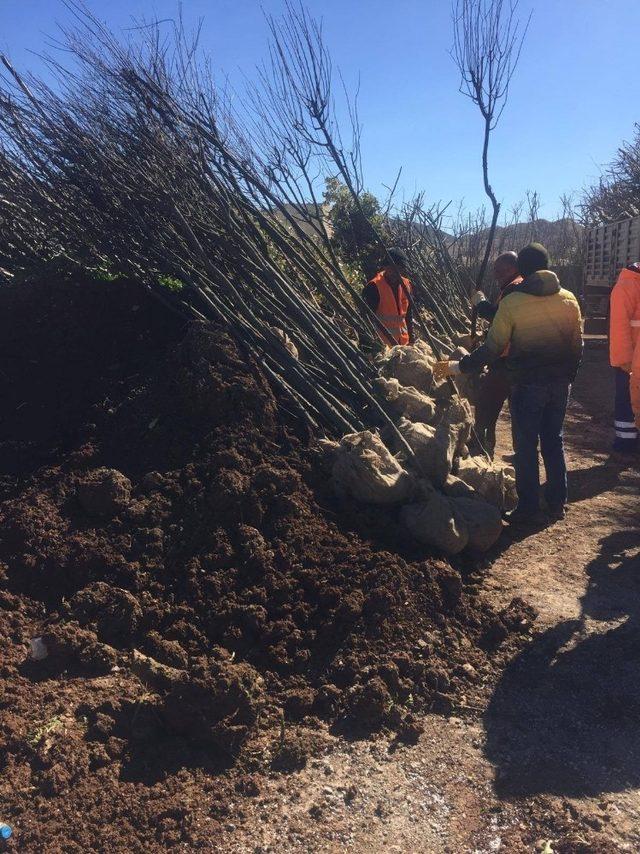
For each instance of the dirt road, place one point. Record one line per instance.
(551, 753)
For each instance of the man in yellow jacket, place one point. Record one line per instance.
(541, 324)
(624, 355)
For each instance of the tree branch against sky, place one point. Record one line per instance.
(428, 130)
(487, 43)
(616, 194)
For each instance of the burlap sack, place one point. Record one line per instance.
(364, 469)
(494, 482)
(434, 448)
(459, 418)
(483, 522)
(436, 522)
(411, 365)
(456, 488)
(407, 400)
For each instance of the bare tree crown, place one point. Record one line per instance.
(487, 44)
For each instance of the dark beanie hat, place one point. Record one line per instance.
(532, 258)
(398, 256)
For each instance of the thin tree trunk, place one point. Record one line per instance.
(494, 219)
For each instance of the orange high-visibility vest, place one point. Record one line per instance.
(393, 306)
(624, 330)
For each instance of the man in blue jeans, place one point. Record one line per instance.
(541, 323)
(537, 412)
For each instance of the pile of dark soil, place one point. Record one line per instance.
(205, 602)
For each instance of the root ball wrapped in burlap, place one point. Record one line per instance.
(494, 482)
(459, 419)
(407, 400)
(436, 522)
(442, 392)
(364, 469)
(456, 488)
(411, 365)
(434, 447)
(483, 522)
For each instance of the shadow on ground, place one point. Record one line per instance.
(594, 480)
(564, 717)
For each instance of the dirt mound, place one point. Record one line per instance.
(172, 539)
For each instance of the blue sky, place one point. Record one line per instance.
(575, 96)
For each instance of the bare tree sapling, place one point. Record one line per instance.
(486, 48)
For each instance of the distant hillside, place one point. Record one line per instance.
(561, 237)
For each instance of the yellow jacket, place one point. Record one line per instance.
(541, 324)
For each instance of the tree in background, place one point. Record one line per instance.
(486, 48)
(351, 227)
(617, 193)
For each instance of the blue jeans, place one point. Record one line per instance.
(537, 413)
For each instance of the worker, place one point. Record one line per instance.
(541, 324)
(624, 355)
(494, 389)
(387, 294)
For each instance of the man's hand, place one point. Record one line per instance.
(477, 297)
(442, 370)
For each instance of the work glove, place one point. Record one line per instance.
(477, 298)
(442, 370)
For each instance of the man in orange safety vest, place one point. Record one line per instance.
(388, 295)
(624, 355)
